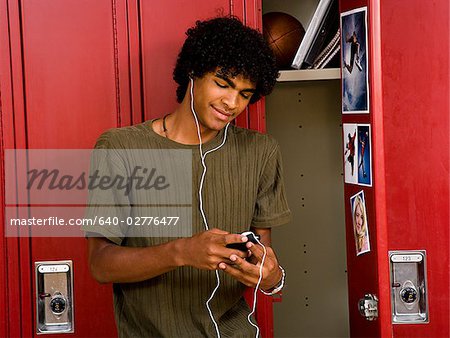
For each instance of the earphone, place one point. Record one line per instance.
(205, 222)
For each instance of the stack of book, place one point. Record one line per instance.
(321, 44)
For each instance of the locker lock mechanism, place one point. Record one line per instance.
(408, 286)
(368, 306)
(54, 297)
(58, 304)
(408, 293)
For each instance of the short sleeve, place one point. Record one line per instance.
(271, 207)
(108, 208)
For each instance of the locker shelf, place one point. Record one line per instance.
(309, 74)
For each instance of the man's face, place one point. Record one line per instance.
(219, 99)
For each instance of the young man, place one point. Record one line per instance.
(161, 284)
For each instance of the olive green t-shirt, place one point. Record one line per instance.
(243, 187)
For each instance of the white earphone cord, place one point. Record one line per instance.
(205, 222)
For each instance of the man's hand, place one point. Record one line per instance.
(247, 271)
(207, 249)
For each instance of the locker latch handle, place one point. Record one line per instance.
(368, 306)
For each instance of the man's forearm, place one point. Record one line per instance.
(110, 263)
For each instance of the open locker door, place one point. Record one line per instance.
(368, 279)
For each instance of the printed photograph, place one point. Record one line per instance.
(355, 85)
(360, 223)
(364, 163)
(350, 153)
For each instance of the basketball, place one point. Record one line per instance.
(283, 33)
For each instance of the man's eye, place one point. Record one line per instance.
(245, 96)
(221, 85)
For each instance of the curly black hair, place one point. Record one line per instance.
(226, 43)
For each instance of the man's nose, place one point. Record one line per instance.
(231, 100)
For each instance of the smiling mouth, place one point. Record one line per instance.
(222, 114)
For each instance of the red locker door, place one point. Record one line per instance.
(367, 273)
(70, 70)
(408, 204)
(67, 82)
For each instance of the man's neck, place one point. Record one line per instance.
(181, 127)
